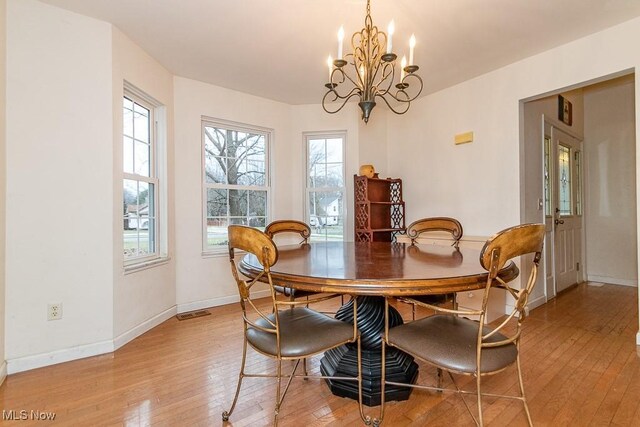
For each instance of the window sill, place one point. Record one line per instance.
(143, 265)
(216, 254)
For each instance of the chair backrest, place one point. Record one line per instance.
(257, 243)
(501, 248)
(425, 225)
(289, 226)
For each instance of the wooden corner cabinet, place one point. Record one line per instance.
(379, 209)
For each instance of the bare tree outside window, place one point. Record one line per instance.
(235, 180)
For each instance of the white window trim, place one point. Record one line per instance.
(206, 121)
(306, 136)
(158, 138)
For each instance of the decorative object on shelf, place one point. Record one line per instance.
(379, 209)
(372, 72)
(367, 170)
(565, 110)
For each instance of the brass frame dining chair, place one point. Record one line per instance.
(293, 333)
(430, 225)
(304, 230)
(459, 345)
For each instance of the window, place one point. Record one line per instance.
(564, 180)
(140, 180)
(236, 179)
(578, 172)
(325, 186)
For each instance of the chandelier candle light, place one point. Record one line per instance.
(371, 72)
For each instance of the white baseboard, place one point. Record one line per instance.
(638, 338)
(3, 371)
(214, 302)
(20, 364)
(143, 327)
(612, 280)
(536, 302)
(26, 363)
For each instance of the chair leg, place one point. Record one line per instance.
(365, 419)
(227, 414)
(304, 369)
(439, 379)
(413, 311)
(521, 383)
(378, 421)
(479, 421)
(278, 384)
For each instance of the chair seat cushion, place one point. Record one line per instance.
(449, 342)
(303, 332)
(290, 292)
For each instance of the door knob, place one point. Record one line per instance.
(559, 221)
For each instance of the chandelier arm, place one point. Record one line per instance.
(345, 99)
(397, 111)
(340, 73)
(352, 92)
(409, 99)
(406, 98)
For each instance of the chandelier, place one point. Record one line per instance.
(370, 72)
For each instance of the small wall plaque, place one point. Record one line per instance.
(463, 138)
(565, 112)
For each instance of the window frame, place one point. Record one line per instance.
(140, 98)
(206, 121)
(307, 136)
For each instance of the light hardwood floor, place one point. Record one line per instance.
(580, 363)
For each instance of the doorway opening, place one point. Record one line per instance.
(578, 177)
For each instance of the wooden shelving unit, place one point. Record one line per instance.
(379, 209)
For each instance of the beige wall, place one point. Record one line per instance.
(374, 140)
(610, 187)
(203, 281)
(143, 298)
(3, 181)
(65, 75)
(59, 210)
(482, 183)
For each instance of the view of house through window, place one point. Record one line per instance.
(140, 183)
(325, 186)
(236, 181)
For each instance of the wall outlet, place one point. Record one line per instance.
(54, 311)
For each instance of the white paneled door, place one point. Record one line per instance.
(564, 209)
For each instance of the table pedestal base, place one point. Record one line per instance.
(343, 361)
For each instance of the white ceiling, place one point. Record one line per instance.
(277, 49)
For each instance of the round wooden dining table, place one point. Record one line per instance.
(369, 272)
